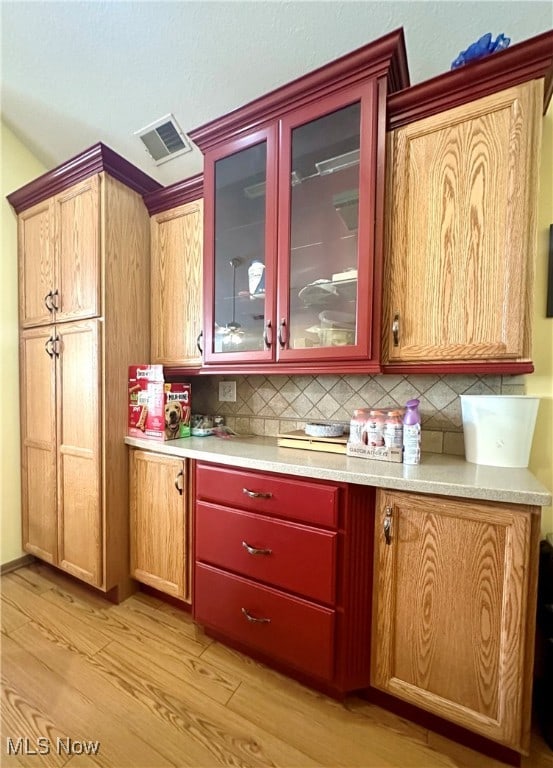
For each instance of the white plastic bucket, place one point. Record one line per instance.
(499, 429)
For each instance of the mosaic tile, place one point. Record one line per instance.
(440, 395)
(454, 443)
(327, 406)
(314, 391)
(432, 441)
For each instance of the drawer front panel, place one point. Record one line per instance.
(298, 633)
(296, 557)
(258, 492)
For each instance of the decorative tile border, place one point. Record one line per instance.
(267, 405)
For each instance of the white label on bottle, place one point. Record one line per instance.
(411, 443)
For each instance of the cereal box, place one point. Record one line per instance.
(158, 410)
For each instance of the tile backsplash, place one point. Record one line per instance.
(268, 405)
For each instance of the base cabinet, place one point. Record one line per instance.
(453, 610)
(159, 513)
(282, 568)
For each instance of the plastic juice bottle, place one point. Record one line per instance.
(357, 425)
(375, 428)
(412, 433)
(393, 430)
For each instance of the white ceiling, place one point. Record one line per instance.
(75, 73)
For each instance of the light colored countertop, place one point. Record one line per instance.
(437, 473)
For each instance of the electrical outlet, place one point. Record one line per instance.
(227, 391)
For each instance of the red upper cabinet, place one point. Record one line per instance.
(294, 199)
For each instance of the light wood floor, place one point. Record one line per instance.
(153, 692)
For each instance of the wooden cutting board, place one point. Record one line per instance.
(298, 439)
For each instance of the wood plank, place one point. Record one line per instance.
(315, 724)
(219, 735)
(59, 622)
(144, 709)
(77, 714)
(12, 618)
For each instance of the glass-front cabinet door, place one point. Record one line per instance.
(240, 201)
(326, 228)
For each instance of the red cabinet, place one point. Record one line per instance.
(283, 568)
(294, 197)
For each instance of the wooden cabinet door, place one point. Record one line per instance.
(453, 593)
(159, 522)
(77, 280)
(176, 284)
(36, 264)
(461, 231)
(38, 443)
(80, 508)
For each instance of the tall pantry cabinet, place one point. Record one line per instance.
(83, 240)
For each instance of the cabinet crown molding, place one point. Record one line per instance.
(529, 60)
(179, 193)
(91, 161)
(385, 57)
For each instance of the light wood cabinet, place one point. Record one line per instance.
(60, 420)
(85, 246)
(59, 257)
(176, 284)
(159, 518)
(461, 231)
(454, 608)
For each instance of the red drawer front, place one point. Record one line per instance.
(301, 559)
(299, 633)
(282, 497)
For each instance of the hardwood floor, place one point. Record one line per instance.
(139, 679)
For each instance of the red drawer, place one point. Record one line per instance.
(259, 492)
(296, 557)
(298, 633)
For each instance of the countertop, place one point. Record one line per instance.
(437, 473)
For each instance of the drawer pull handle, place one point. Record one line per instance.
(256, 494)
(255, 619)
(255, 550)
(178, 486)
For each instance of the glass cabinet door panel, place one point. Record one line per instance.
(239, 251)
(326, 253)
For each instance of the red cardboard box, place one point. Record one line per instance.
(158, 410)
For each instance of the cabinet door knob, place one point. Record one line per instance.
(256, 494)
(200, 336)
(48, 302)
(388, 525)
(268, 334)
(177, 484)
(55, 305)
(254, 619)
(255, 550)
(395, 329)
(282, 334)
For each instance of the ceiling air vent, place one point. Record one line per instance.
(164, 139)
